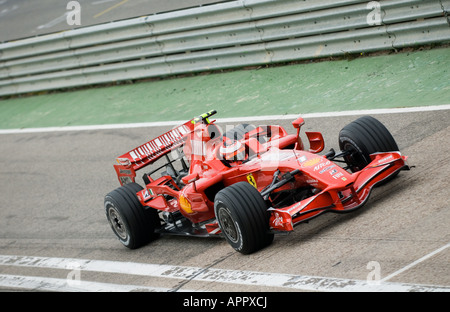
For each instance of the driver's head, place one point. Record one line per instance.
(232, 150)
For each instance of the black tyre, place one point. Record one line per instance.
(363, 137)
(133, 225)
(243, 218)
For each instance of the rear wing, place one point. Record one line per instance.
(151, 151)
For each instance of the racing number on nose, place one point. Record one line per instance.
(251, 180)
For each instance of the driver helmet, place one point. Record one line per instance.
(232, 151)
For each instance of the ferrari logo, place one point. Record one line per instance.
(251, 180)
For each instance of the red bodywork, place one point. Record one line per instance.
(332, 188)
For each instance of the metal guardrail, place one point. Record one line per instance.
(225, 35)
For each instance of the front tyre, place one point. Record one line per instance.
(243, 218)
(363, 137)
(131, 223)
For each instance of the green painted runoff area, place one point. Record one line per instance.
(407, 79)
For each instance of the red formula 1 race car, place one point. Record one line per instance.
(246, 184)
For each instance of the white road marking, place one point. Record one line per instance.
(102, 1)
(6, 11)
(38, 283)
(54, 22)
(298, 282)
(233, 120)
(415, 262)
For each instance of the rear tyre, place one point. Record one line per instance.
(243, 218)
(363, 137)
(133, 225)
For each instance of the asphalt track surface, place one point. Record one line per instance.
(54, 234)
(24, 18)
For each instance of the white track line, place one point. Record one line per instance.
(38, 283)
(232, 120)
(289, 281)
(415, 263)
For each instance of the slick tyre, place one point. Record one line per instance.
(363, 137)
(131, 223)
(243, 218)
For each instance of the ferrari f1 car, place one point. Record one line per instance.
(247, 183)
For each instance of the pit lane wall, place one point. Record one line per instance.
(222, 36)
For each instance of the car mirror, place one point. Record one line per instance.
(298, 122)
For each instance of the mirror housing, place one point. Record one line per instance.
(298, 122)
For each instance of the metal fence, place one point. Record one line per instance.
(221, 36)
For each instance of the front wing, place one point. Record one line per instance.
(342, 197)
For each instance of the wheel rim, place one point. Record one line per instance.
(117, 223)
(228, 226)
(355, 159)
